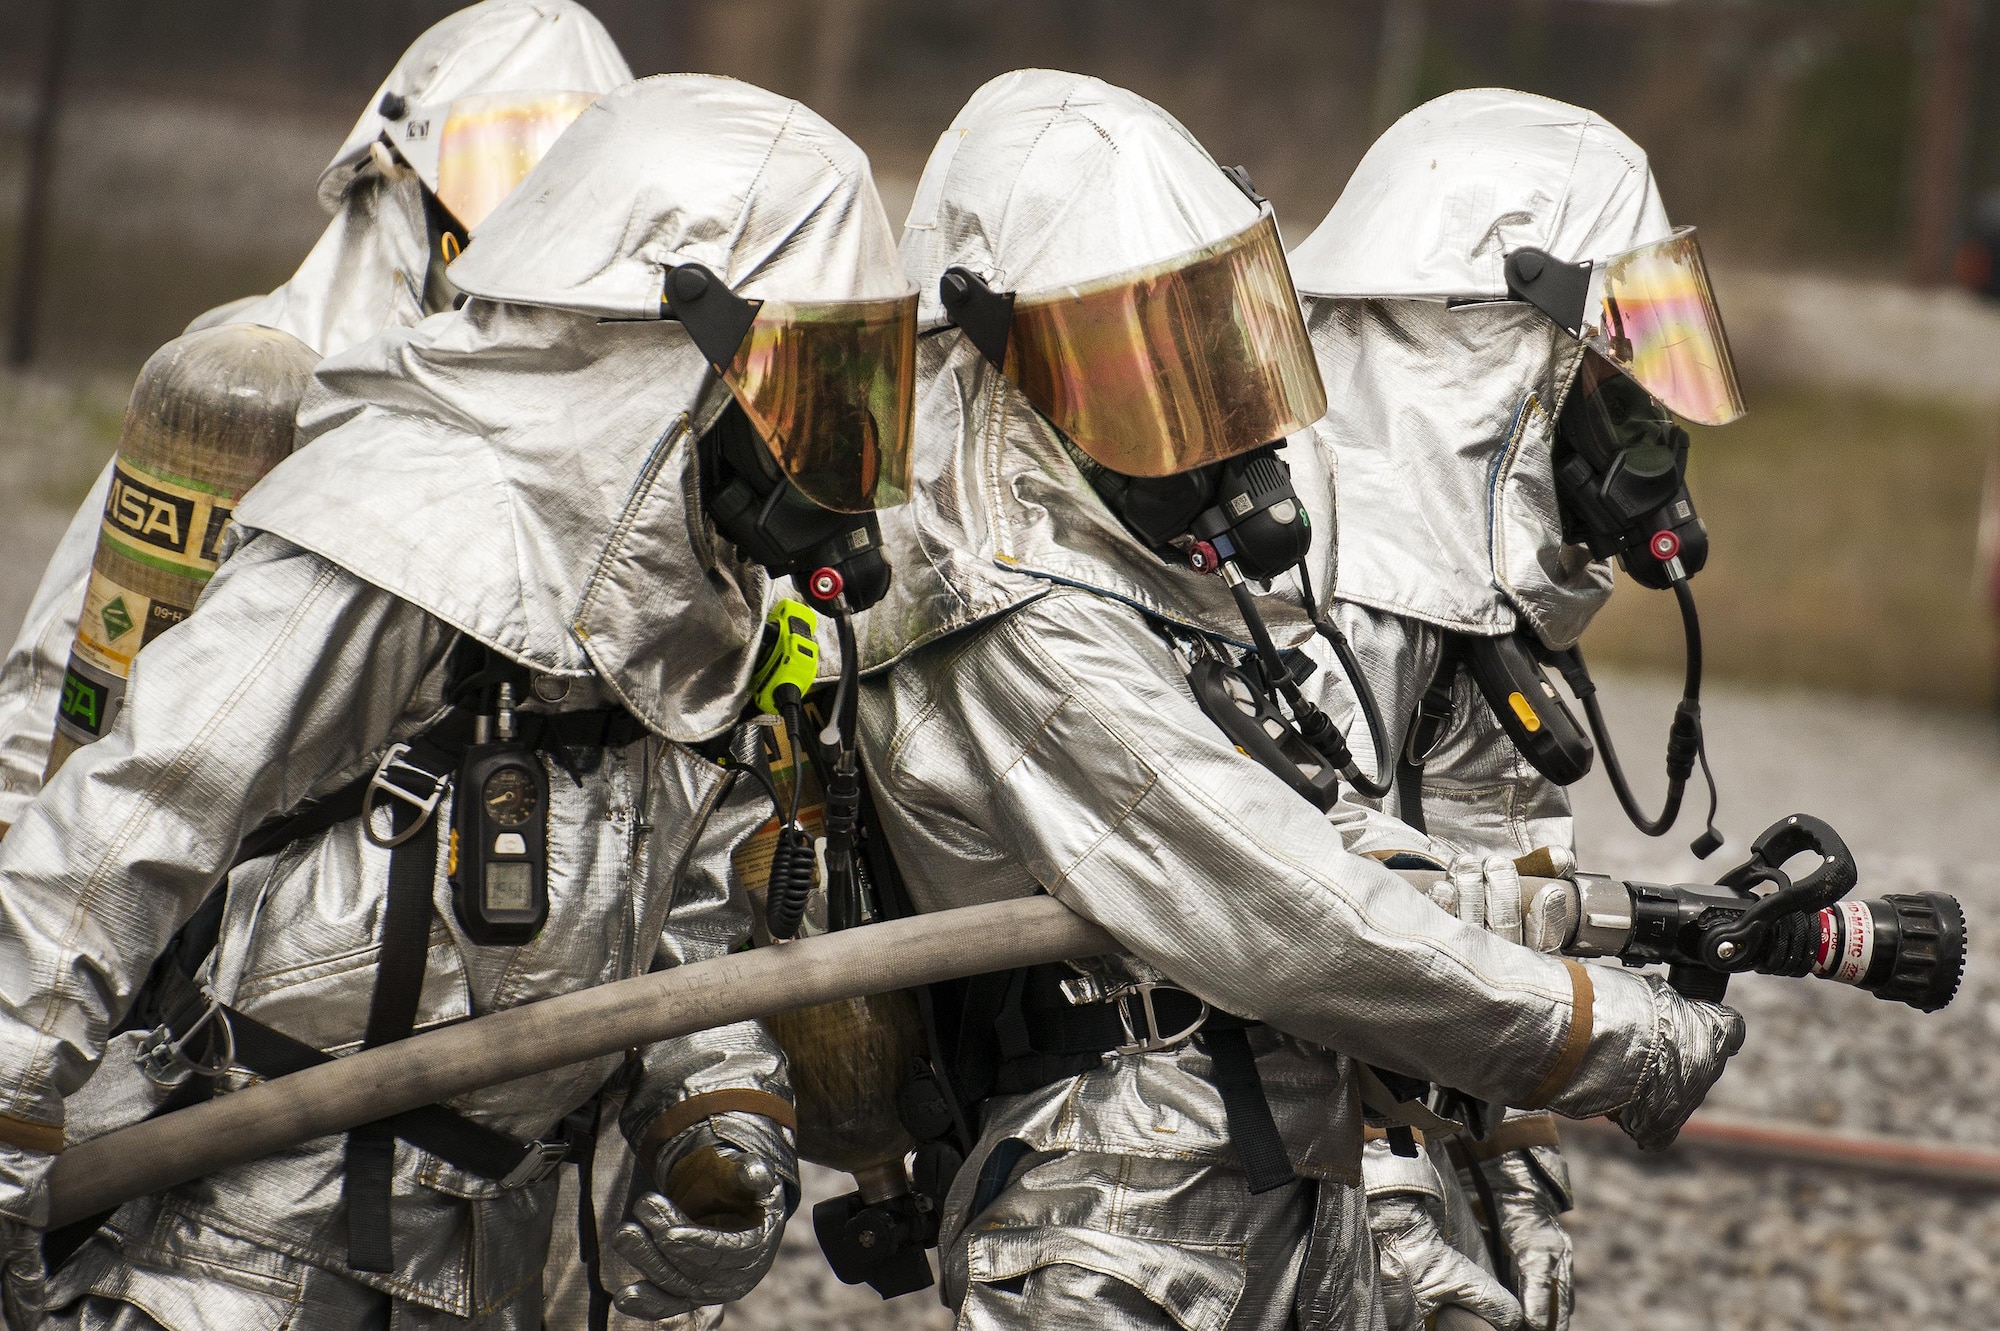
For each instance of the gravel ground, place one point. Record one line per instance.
(1679, 1242)
(1663, 1243)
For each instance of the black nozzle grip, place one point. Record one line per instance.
(1833, 879)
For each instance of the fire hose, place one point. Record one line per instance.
(1909, 949)
(537, 1037)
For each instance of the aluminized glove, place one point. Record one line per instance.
(1483, 891)
(711, 1231)
(1421, 1272)
(1534, 1239)
(1691, 1043)
(25, 1276)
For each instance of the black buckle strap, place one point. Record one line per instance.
(1259, 1146)
(399, 982)
(1427, 729)
(1061, 1035)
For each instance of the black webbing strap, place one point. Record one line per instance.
(268, 1052)
(392, 1009)
(1046, 1034)
(580, 1128)
(1427, 727)
(1233, 1068)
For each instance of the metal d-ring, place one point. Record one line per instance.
(164, 1059)
(1152, 1042)
(425, 805)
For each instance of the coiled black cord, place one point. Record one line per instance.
(1685, 743)
(791, 882)
(789, 889)
(843, 785)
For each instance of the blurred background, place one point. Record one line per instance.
(1842, 158)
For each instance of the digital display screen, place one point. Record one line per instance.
(510, 887)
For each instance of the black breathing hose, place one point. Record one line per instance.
(1685, 746)
(1364, 693)
(1315, 727)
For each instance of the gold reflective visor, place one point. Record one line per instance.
(831, 387)
(1170, 367)
(488, 144)
(1651, 312)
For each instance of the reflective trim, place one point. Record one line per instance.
(42, 1137)
(676, 1119)
(1583, 998)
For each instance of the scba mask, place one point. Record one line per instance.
(1174, 386)
(1177, 382)
(814, 439)
(1654, 349)
(1621, 477)
(816, 435)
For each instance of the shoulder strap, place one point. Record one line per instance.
(392, 1010)
(1427, 728)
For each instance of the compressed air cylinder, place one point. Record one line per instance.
(210, 414)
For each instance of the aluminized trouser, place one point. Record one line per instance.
(1115, 1199)
(1086, 1239)
(289, 681)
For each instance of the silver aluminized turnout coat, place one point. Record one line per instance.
(1440, 427)
(521, 473)
(1028, 728)
(366, 272)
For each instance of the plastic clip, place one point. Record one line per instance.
(425, 805)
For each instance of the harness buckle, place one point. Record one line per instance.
(425, 805)
(162, 1055)
(538, 1163)
(1152, 1042)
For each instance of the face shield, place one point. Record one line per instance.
(1163, 369)
(474, 151)
(1650, 312)
(829, 385)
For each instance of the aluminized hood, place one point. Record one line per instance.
(494, 46)
(527, 473)
(366, 271)
(1441, 416)
(1043, 179)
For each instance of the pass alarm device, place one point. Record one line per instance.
(499, 851)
